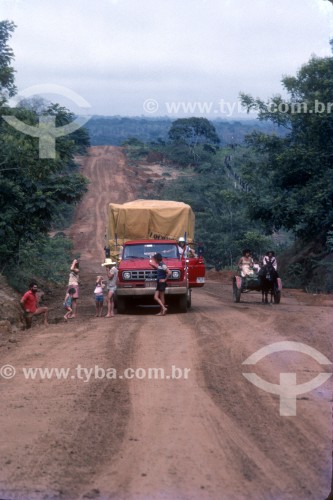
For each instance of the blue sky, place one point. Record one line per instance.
(164, 57)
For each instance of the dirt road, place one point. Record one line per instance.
(109, 426)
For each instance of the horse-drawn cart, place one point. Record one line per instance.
(258, 283)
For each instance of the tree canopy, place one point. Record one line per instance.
(292, 176)
(190, 137)
(7, 76)
(193, 131)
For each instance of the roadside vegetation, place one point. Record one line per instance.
(36, 194)
(209, 181)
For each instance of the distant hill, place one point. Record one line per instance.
(114, 130)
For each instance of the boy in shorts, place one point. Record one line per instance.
(163, 272)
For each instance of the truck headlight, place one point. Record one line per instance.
(126, 275)
(176, 274)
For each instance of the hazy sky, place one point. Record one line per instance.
(141, 57)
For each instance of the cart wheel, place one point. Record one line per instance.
(236, 293)
(277, 296)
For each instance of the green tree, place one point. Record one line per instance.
(193, 135)
(32, 189)
(6, 58)
(292, 179)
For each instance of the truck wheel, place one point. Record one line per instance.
(182, 303)
(189, 298)
(236, 293)
(121, 305)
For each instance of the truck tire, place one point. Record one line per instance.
(189, 298)
(121, 305)
(182, 303)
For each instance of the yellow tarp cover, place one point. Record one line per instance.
(149, 219)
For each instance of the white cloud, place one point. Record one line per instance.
(116, 52)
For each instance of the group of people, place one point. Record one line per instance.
(29, 301)
(248, 267)
(110, 284)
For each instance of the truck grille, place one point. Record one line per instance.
(144, 274)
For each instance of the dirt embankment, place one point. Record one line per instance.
(203, 431)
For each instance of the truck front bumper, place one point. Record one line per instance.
(146, 291)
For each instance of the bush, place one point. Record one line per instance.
(45, 260)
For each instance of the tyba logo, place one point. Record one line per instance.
(288, 389)
(46, 130)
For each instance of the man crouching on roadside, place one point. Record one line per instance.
(29, 304)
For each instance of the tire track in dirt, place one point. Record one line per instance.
(194, 449)
(70, 426)
(57, 433)
(297, 448)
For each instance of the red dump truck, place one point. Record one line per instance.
(139, 229)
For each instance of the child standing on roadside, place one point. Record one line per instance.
(99, 297)
(68, 303)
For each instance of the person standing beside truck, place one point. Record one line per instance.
(163, 272)
(112, 274)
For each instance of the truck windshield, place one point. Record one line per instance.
(145, 251)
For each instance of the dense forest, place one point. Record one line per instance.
(104, 130)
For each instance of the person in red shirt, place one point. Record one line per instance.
(29, 304)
